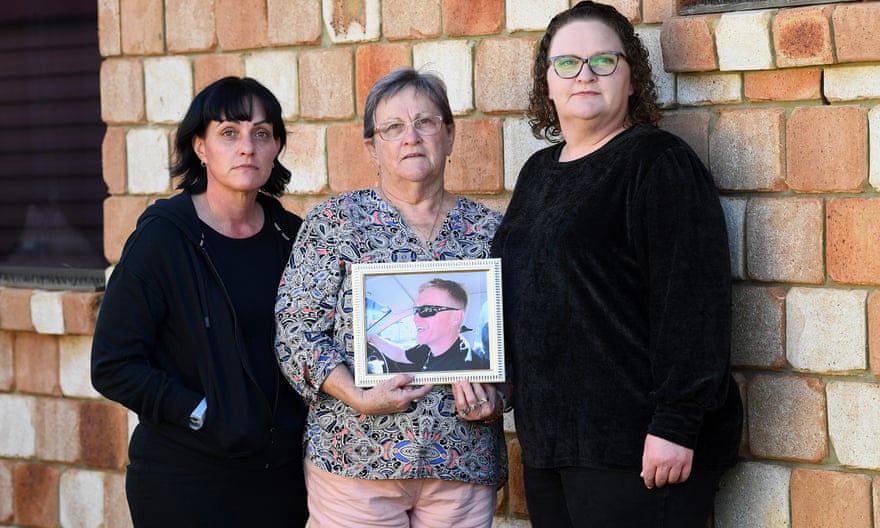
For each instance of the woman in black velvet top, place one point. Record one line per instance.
(617, 295)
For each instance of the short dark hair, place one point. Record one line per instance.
(454, 289)
(230, 98)
(643, 107)
(424, 83)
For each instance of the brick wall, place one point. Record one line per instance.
(781, 104)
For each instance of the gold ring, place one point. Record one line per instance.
(481, 401)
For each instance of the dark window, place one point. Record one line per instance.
(696, 7)
(51, 213)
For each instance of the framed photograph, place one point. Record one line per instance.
(440, 321)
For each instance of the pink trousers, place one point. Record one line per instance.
(342, 502)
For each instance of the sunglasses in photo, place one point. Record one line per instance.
(430, 310)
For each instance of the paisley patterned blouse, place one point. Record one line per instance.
(314, 334)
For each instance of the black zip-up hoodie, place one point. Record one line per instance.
(167, 335)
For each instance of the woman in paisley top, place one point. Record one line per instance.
(395, 454)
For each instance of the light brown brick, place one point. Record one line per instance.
(116, 513)
(120, 217)
(688, 44)
(142, 24)
(745, 149)
(857, 31)
(56, 422)
(758, 336)
(372, 62)
(37, 364)
(830, 499)
(784, 239)
(190, 25)
(466, 17)
(853, 254)
(515, 489)
(802, 37)
(15, 309)
(113, 159)
(801, 84)
(209, 68)
(7, 488)
(326, 93)
(826, 148)
(109, 34)
(122, 91)
(787, 418)
(502, 84)
(693, 127)
(103, 434)
(7, 365)
(36, 495)
(658, 11)
(874, 332)
(295, 24)
(241, 24)
(410, 19)
(631, 9)
(80, 312)
(349, 166)
(476, 161)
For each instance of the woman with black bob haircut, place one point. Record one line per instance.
(228, 99)
(184, 337)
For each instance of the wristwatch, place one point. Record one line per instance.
(197, 418)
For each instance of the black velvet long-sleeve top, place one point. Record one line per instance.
(617, 315)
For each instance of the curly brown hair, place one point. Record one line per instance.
(642, 104)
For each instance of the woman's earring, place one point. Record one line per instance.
(202, 162)
(449, 159)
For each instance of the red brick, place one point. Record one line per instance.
(476, 161)
(693, 127)
(301, 205)
(874, 332)
(785, 239)
(7, 365)
(830, 499)
(122, 91)
(103, 434)
(36, 495)
(7, 488)
(297, 25)
(143, 27)
(466, 17)
(515, 489)
(326, 93)
(658, 11)
(209, 68)
(787, 418)
(190, 25)
(802, 36)
(372, 62)
(799, 84)
(688, 44)
(113, 159)
(109, 42)
(349, 166)
(745, 149)
(120, 217)
(632, 9)
(37, 364)
(827, 148)
(502, 84)
(857, 31)
(242, 24)
(80, 312)
(853, 255)
(56, 422)
(410, 19)
(15, 309)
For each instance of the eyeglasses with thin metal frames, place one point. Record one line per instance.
(601, 64)
(425, 126)
(430, 310)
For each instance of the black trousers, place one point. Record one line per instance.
(592, 498)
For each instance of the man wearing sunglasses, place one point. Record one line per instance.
(438, 316)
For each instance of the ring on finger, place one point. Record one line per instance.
(481, 401)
